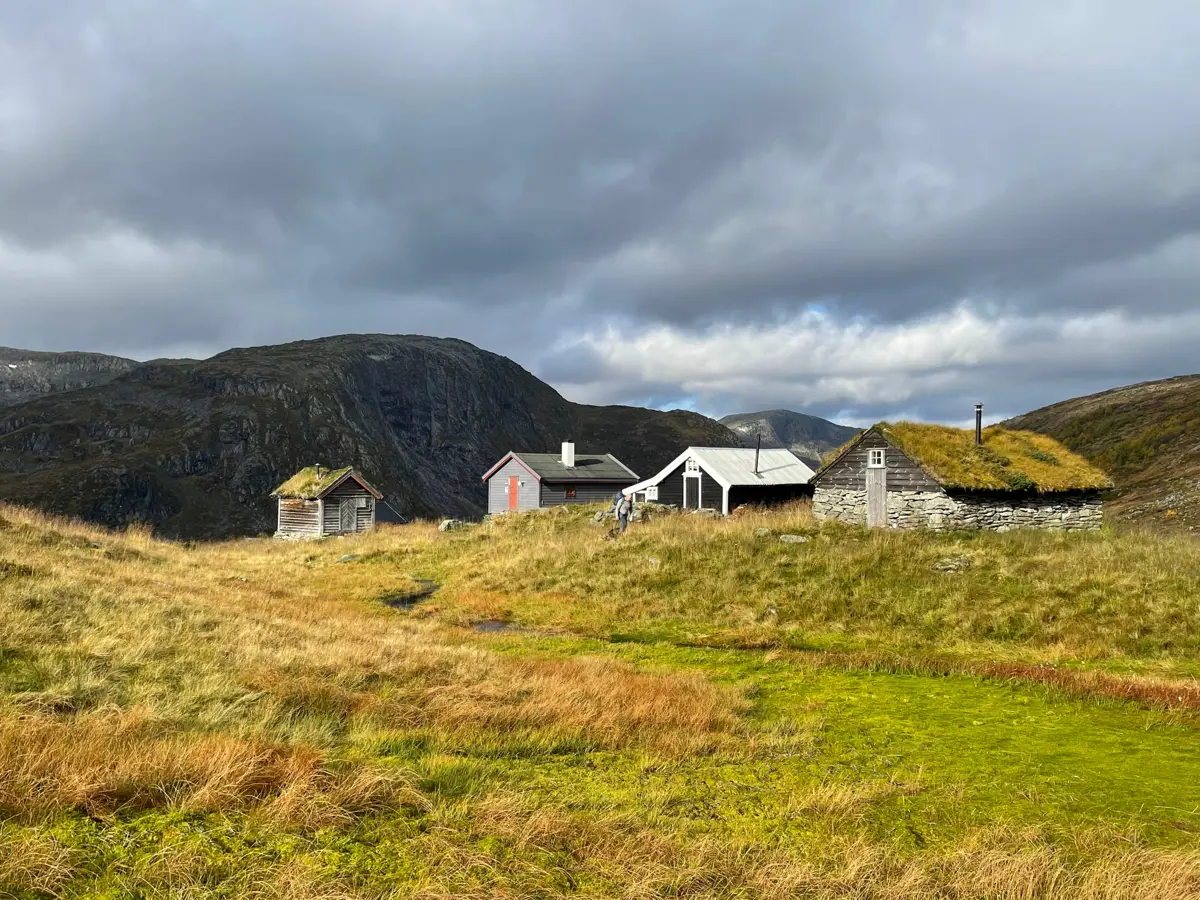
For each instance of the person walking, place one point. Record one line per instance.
(624, 508)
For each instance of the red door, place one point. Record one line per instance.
(512, 492)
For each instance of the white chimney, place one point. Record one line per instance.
(568, 455)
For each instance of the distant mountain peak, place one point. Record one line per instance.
(809, 437)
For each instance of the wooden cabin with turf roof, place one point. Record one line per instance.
(319, 502)
(911, 475)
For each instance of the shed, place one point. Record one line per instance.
(317, 502)
(723, 478)
(524, 481)
(911, 475)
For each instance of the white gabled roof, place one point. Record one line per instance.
(734, 466)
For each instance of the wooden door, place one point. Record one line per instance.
(691, 492)
(876, 497)
(349, 515)
(514, 485)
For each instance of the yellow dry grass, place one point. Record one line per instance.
(237, 664)
(247, 681)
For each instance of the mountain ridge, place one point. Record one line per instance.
(808, 437)
(1146, 435)
(195, 447)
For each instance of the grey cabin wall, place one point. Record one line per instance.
(528, 490)
(300, 518)
(555, 494)
(850, 472)
(364, 516)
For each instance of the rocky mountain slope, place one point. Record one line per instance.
(26, 374)
(1147, 436)
(194, 448)
(809, 437)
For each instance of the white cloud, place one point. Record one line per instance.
(816, 361)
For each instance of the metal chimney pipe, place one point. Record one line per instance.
(978, 423)
(757, 447)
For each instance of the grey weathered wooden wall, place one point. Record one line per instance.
(364, 516)
(850, 472)
(300, 517)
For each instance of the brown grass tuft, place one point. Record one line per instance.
(109, 762)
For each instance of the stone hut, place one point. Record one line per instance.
(909, 475)
(319, 501)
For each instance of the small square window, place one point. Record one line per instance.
(652, 492)
(875, 460)
(570, 492)
(692, 466)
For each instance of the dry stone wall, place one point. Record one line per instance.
(938, 510)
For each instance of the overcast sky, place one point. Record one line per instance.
(851, 209)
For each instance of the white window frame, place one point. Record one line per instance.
(651, 492)
(691, 467)
(876, 458)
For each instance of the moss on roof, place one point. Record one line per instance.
(1005, 461)
(307, 484)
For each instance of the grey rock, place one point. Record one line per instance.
(793, 539)
(762, 532)
(952, 564)
(349, 557)
(452, 525)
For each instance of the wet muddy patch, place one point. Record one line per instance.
(422, 589)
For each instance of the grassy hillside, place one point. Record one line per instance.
(1147, 436)
(694, 710)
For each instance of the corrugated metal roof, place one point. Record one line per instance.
(549, 467)
(735, 466)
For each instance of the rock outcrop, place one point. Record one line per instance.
(27, 374)
(194, 448)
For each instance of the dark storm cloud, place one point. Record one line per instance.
(556, 179)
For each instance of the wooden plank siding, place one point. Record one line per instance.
(850, 472)
(670, 489)
(528, 489)
(555, 494)
(712, 493)
(364, 517)
(299, 517)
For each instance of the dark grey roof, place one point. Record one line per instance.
(549, 467)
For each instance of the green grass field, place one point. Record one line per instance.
(693, 710)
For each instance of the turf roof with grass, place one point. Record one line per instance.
(310, 483)
(1005, 461)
